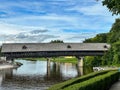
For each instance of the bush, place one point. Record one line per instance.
(101, 82)
(76, 80)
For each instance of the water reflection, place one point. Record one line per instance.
(38, 75)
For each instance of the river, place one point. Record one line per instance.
(37, 75)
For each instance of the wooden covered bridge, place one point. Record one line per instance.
(30, 50)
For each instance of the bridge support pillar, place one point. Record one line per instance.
(80, 71)
(48, 68)
(80, 61)
(48, 61)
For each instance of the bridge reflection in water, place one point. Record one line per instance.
(38, 75)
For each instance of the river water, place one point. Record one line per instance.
(38, 75)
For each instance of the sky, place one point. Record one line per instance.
(33, 21)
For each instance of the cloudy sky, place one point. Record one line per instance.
(46, 20)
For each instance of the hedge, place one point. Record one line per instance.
(77, 80)
(102, 82)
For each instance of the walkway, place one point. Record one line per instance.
(5, 66)
(116, 86)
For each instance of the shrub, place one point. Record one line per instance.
(76, 80)
(101, 82)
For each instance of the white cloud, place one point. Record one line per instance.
(27, 36)
(6, 28)
(96, 9)
(54, 21)
(58, 15)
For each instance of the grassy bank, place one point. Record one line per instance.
(65, 60)
(56, 59)
(94, 81)
(35, 59)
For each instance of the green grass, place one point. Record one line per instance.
(101, 82)
(94, 81)
(65, 60)
(56, 59)
(76, 80)
(35, 59)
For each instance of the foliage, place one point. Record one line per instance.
(116, 51)
(92, 61)
(104, 78)
(99, 38)
(113, 6)
(114, 34)
(56, 41)
(56, 59)
(35, 59)
(76, 80)
(65, 60)
(113, 55)
(101, 82)
(107, 59)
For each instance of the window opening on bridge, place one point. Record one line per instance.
(24, 47)
(105, 46)
(68, 46)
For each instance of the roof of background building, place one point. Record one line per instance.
(27, 47)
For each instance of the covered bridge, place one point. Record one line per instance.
(25, 50)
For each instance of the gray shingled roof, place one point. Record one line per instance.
(26, 47)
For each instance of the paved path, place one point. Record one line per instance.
(115, 86)
(6, 66)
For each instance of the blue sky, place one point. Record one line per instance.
(46, 20)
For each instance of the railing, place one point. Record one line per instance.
(53, 53)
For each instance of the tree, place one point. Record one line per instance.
(113, 55)
(112, 5)
(107, 59)
(92, 60)
(99, 38)
(56, 41)
(116, 51)
(114, 34)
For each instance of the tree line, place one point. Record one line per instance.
(112, 57)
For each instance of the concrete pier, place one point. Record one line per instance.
(80, 61)
(48, 61)
(48, 67)
(80, 71)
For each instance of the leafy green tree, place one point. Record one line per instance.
(92, 61)
(56, 41)
(113, 55)
(107, 59)
(116, 51)
(112, 5)
(114, 34)
(99, 38)
(89, 60)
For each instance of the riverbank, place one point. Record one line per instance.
(6, 66)
(56, 59)
(9, 65)
(65, 60)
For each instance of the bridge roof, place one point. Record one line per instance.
(34, 47)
